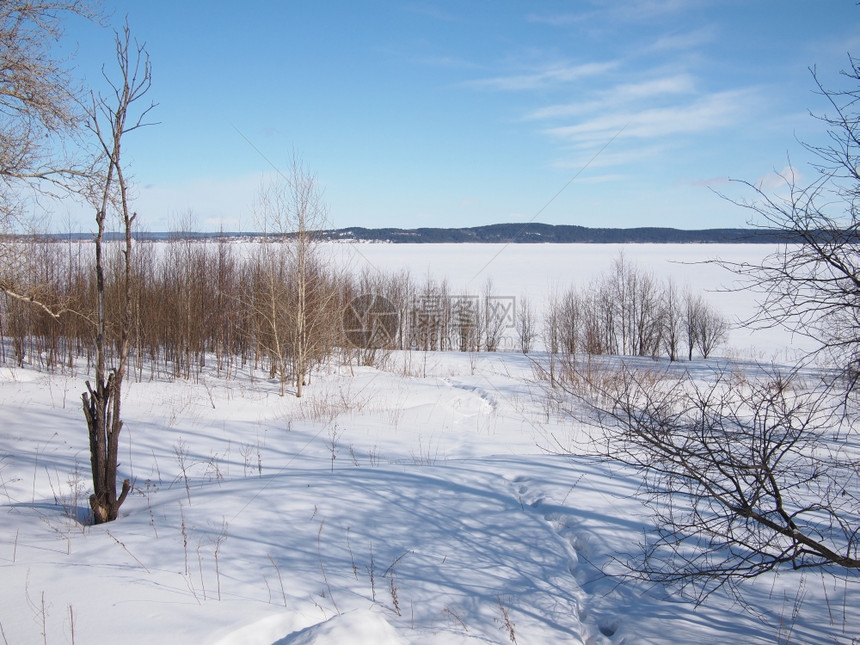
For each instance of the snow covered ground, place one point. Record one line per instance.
(412, 502)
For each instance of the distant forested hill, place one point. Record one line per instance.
(511, 233)
(556, 234)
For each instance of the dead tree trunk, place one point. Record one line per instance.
(104, 429)
(102, 404)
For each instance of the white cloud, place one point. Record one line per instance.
(709, 182)
(558, 19)
(631, 11)
(621, 94)
(678, 84)
(646, 10)
(430, 11)
(447, 62)
(709, 112)
(775, 182)
(608, 158)
(691, 40)
(611, 178)
(550, 75)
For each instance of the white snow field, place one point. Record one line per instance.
(413, 502)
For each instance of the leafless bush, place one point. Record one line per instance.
(744, 475)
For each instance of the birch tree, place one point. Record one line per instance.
(300, 292)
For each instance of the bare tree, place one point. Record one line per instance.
(713, 329)
(39, 120)
(551, 335)
(571, 319)
(467, 322)
(744, 475)
(37, 105)
(526, 324)
(109, 120)
(432, 318)
(672, 319)
(293, 211)
(694, 305)
(647, 314)
(268, 295)
(495, 315)
(598, 317)
(811, 283)
(616, 298)
(626, 311)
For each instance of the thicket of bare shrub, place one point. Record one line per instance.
(212, 303)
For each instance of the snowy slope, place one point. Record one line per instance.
(410, 503)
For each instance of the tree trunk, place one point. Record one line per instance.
(104, 429)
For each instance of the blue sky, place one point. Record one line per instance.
(468, 113)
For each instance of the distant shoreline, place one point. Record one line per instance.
(530, 233)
